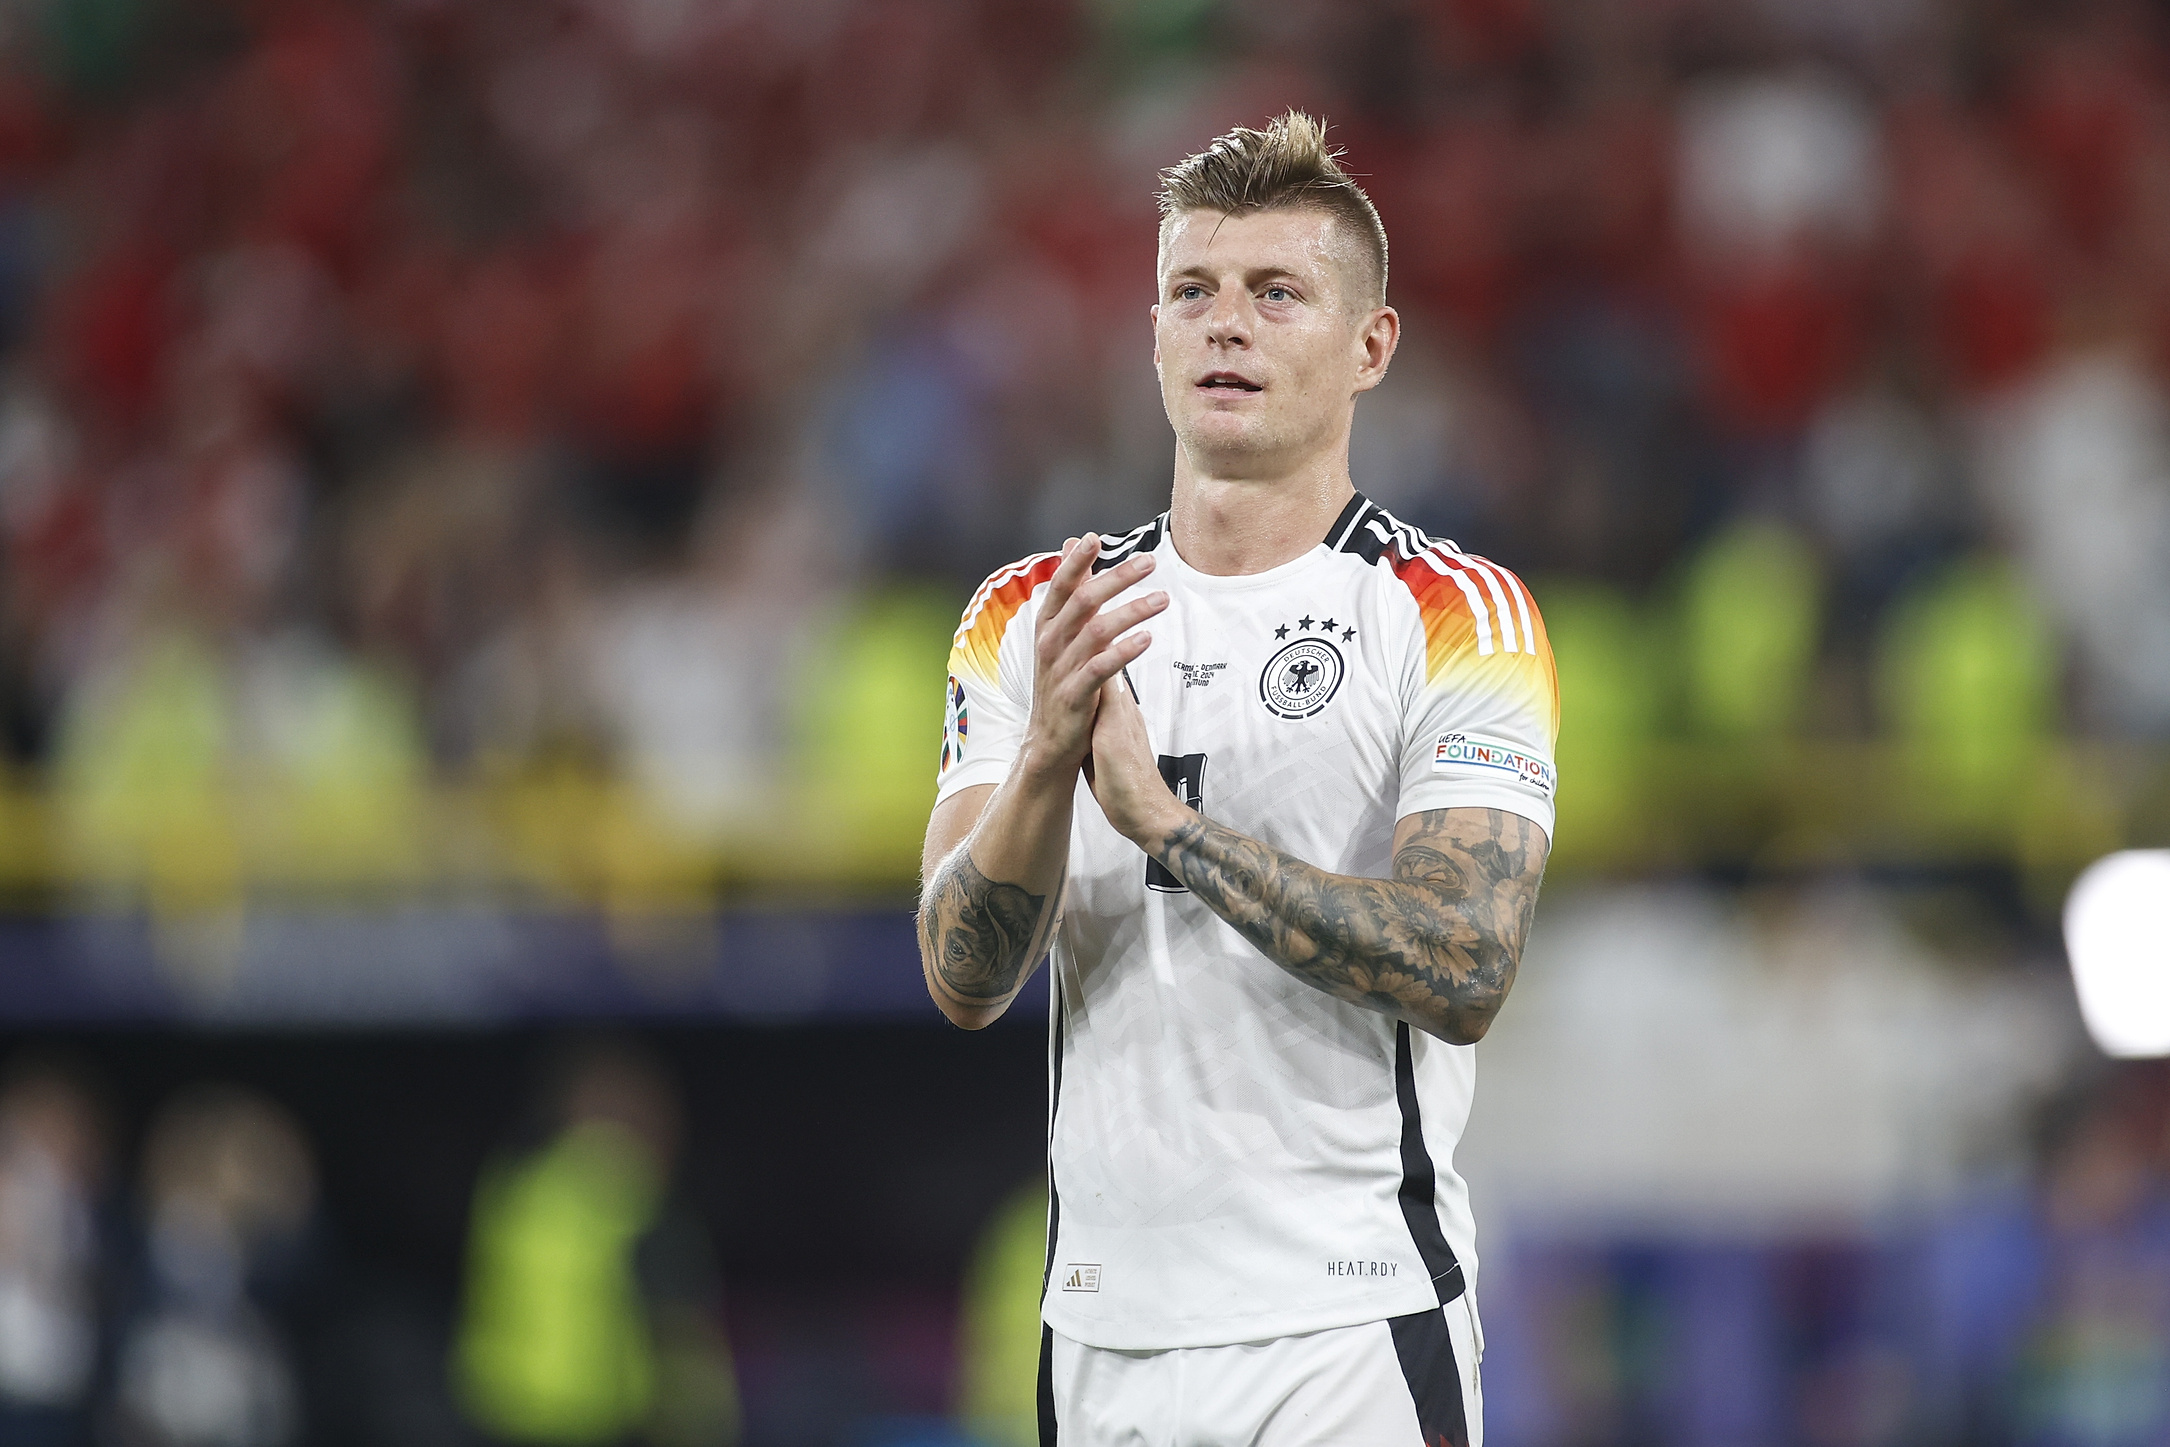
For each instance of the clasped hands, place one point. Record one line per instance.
(1084, 716)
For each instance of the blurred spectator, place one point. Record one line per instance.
(2049, 1308)
(1969, 687)
(864, 729)
(1752, 607)
(141, 770)
(52, 1168)
(691, 672)
(590, 1304)
(2078, 475)
(998, 1401)
(1781, 187)
(1769, 162)
(229, 1198)
(1878, 491)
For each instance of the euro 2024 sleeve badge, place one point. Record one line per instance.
(955, 725)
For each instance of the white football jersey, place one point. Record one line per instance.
(1235, 1155)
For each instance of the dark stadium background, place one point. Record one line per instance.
(485, 486)
(839, 1218)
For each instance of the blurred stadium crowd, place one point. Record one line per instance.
(608, 406)
(203, 1296)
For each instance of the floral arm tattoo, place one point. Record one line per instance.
(980, 938)
(1436, 945)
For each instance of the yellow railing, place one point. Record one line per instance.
(572, 836)
(1805, 805)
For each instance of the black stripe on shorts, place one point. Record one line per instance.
(1426, 1352)
(1048, 1432)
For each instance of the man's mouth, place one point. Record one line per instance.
(1228, 382)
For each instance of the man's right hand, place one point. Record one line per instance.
(995, 856)
(1077, 648)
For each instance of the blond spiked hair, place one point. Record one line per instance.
(1283, 167)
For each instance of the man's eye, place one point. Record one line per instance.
(1190, 293)
(1279, 293)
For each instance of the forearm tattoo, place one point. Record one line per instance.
(979, 937)
(1436, 945)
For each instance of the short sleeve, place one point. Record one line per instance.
(990, 683)
(1483, 701)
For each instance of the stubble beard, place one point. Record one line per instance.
(1267, 446)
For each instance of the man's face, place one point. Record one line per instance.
(1262, 336)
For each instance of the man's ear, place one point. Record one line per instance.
(1380, 336)
(1154, 313)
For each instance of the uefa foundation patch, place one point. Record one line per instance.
(1473, 753)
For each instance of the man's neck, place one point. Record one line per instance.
(1231, 526)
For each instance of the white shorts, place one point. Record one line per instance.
(1409, 1380)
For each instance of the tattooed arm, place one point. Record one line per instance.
(980, 938)
(995, 854)
(1436, 945)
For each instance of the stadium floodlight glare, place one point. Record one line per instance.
(2117, 936)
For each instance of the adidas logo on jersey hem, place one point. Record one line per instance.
(1081, 1276)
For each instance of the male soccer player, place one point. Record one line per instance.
(1284, 843)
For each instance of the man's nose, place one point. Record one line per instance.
(1229, 323)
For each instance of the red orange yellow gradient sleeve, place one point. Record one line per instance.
(976, 650)
(1484, 700)
(989, 687)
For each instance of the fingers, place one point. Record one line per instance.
(1109, 636)
(1078, 647)
(1076, 565)
(1106, 627)
(1063, 616)
(1119, 731)
(1096, 591)
(1135, 796)
(1094, 674)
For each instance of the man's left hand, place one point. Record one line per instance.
(1125, 774)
